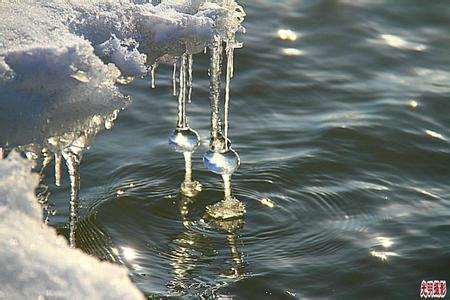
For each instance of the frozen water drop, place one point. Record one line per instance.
(184, 140)
(223, 162)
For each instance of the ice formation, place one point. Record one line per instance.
(60, 62)
(38, 264)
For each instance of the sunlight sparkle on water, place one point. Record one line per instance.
(286, 35)
(129, 253)
(400, 43)
(292, 52)
(382, 254)
(435, 135)
(385, 242)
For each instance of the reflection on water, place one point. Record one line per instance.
(188, 252)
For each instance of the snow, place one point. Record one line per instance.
(60, 60)
(36, 263)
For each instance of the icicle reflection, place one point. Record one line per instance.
(192, 248)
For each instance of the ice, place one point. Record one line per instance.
(183, 138)
(38, 264)
(174, 80)
(63, 58)
(221, 158)
(190, 65)
(60, 62)
(217, 139)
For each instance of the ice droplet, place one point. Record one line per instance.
(184, 140)
(224, 163)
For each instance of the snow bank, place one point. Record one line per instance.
(35, 261)
(60, 60)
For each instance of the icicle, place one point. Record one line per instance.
(214, 93)
(153, 74)
(227, 186)
(229, 53)
(183, 138)
(73, 164)
(190, 64)
(182, 119)
(231, 44)
(174, 79)
(57, 168)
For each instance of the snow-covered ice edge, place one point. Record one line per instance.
(36, 262)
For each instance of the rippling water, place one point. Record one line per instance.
(341, 124)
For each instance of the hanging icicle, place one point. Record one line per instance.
(174, 79)
(230, 46)
(190, 65)
(182, 119)
(183, 138)
(215, 70)
(73, 163)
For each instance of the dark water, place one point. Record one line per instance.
(358, 174)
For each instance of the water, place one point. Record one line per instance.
(342, 129)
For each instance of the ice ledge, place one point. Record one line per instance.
(60, 60)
